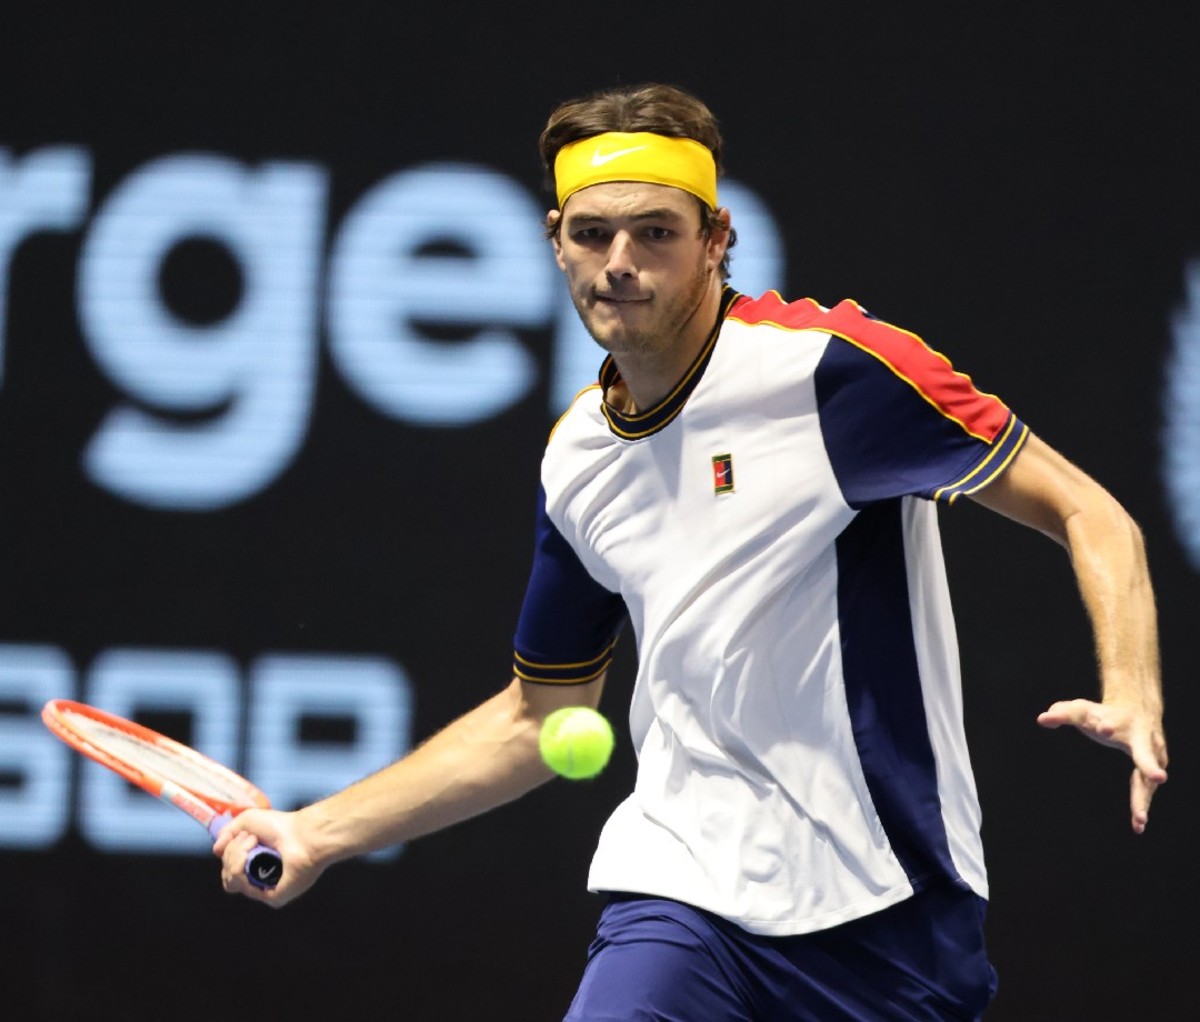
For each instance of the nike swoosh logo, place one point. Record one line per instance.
(599, 159)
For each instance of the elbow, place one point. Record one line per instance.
(1125, 524)
(1103, 523)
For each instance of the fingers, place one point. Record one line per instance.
(1150, 763)
(233, 845)
(228, 832)
(278, 831)
(1113, 726)
(1141, 791)
(1095, 720)
(1068, 711)
(236, 847)
(1120, 728)
(1150, 758)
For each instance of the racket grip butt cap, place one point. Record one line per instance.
(264, 867)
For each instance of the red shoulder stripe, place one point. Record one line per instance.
(905, 354)
(771, 308)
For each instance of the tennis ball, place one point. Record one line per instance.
(576, 742)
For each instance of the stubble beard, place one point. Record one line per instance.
(659, 336)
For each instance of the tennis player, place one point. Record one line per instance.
(752, 487)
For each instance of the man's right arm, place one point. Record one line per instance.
(482, 760)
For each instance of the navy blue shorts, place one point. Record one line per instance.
(660, 960)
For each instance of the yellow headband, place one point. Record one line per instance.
(636, 156)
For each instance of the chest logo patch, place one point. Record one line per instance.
(722, 473)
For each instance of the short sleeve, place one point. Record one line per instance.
(898, 420)
(569, 623)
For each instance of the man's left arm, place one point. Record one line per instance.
(1043, 490)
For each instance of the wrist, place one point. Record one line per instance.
(322, 834)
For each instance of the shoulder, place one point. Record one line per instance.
(868, 340)
(583, 413)
(862, 353)
(773, 310)
(848, 320)
(578, 441)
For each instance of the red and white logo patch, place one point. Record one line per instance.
(722, 473)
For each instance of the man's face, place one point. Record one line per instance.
(637, 265)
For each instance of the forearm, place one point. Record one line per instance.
(1043, 490)
(1108, 556)
(484, 759)
(1046, 492)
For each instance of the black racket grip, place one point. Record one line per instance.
(264, 867)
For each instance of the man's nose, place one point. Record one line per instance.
(621, 257)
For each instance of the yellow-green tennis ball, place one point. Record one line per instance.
(576, 742)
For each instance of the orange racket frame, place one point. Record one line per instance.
(211, 805)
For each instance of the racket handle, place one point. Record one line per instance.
(264, 867)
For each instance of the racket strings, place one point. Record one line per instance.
(164, 761)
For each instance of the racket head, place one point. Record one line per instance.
(148, 759)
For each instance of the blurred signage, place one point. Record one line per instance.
(1181, 433)
(217, 403)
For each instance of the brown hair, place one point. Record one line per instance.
(662, 109)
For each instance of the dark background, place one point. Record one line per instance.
(1017, 183)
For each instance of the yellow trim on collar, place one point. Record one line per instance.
(636, 156)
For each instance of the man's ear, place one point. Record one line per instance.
(552, 218)
(718, 240)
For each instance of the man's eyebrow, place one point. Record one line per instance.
(665, 213)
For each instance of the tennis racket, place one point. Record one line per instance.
(208, 792)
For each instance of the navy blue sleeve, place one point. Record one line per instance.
(569, 623)
(897, 420)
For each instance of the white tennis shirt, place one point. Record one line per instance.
(770, 533)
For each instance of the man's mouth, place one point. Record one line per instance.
(622, 299)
